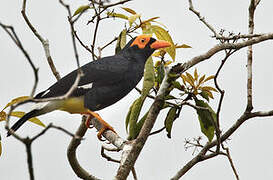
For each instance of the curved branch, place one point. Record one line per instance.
(18, 43)
(44, 42)
(71, 154)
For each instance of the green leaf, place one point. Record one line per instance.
(134, 114)
(140, 124)
(206, 118)
(149, 78)
(159, 75)
(128, 117)
(169, 120)
(81, 9)
(205, 95)
(148, 83)
(129, 10)
(133, 18)
(146, 28)
(169, 97)
(162, 34)
(177, 85)
(121, 42)
(117, 15)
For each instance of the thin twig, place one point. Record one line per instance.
(83, 45)
(109, 43)
(157, 131)
(67, 7)
(98, 18)
(231, 162)
(202, 19)
(44, 42)
(251, 11)
(108, 158)
(18, 43)
(71, 154)
(114, 4)
(220, 47)
(134, 173)
(239, 36)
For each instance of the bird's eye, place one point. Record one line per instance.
(142, 40)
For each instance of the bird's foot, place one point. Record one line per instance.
(87, 122)
(105, 125)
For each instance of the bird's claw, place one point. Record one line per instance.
(102, 130)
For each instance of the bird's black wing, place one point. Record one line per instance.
(108, 70)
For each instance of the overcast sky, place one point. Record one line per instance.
(251, 146)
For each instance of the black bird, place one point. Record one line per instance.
(105, 81)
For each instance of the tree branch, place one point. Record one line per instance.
(220, 47)
(44, 42)
(202, 19)
(71, 154)
(133, 150)
(251, 11)
(18, 43)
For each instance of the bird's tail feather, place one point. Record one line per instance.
(23, 119)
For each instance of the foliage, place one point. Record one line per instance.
(19, 114)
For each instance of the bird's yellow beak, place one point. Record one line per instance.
(160, 44)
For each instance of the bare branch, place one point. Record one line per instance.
(251, 11)
(157, 131)
(44, 42)
(231, 163)
(134, 173)
(55, 127)
(18, 43)
(202, 19)
(114, 4)
(109, 43)
(67, 7)
(218, 48)
(83, 45)
(98, 18)
(225, 136)
(262, 113)
(239, 36)
(71, 154)
(108, 158)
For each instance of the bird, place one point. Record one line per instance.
(104, 82)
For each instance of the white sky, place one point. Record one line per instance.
(250, 146)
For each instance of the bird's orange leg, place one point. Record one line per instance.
(105, 125)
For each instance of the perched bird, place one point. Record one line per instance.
(104, 82)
